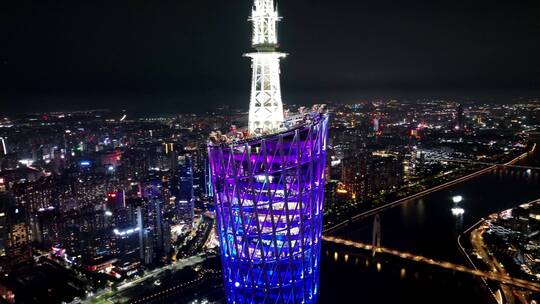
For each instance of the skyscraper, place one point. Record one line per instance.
(460, 119)
(14, 233)
(182, 189)
(269, 190)
(266, 107)
(155, 246)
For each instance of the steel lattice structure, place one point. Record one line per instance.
(264, 17)
(269, 195)
(266, 107)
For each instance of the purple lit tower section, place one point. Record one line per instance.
(269, 194)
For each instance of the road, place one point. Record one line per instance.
(477, 241)
(106, 295)
(512, 295)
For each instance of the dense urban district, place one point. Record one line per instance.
(100, 206)
(509, 243)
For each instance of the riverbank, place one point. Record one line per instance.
(474, 246)
(469, 257)
(336, 227)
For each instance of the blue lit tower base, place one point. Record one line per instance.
(269, 194)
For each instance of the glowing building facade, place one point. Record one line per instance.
(269, 194)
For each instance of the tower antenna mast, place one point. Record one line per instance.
(266, 106)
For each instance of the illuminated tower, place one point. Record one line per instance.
(269, 188)
(266, 107)
(269, 195)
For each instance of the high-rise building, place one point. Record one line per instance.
(116, 200)
(266, 107)
(14, 233)
(151, 224)
(269, 189)
(376, 124)
(460, 118)
(183, 190)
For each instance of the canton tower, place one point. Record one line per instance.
(268, 187)
(266, 107)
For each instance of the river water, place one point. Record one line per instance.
(427, 227)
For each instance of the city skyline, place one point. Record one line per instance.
(142, 160)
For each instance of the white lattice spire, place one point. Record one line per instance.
(264, 18)
(266, 107)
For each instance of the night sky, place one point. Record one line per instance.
(185, 55)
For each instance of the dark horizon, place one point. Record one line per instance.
(187, 56)
(152, 105)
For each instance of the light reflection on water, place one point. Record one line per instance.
(426, 227)
(403, 273)
(374, 264)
